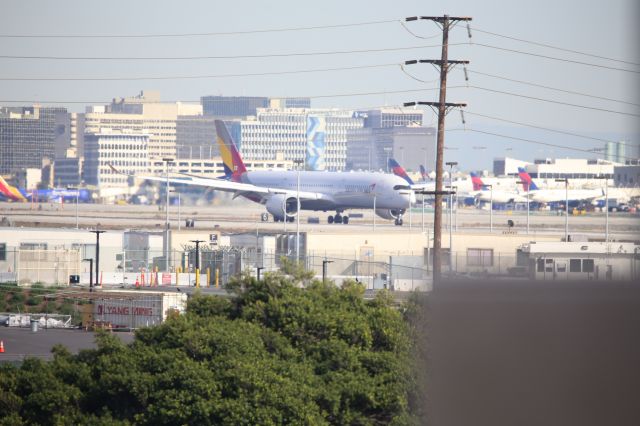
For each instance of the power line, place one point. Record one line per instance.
(552, 145)
(339, 95)
(191, 58)
(555, 58)
(533, 126)
(203, 34)
(193, 77)
(563, 49)
(518, 95)
(571, 92)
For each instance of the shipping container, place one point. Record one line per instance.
(135, 309)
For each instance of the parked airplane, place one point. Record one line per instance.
(555, 195)
(389, 195)
(20, 194)
(483, 192)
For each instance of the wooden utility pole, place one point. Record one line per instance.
(446, 22)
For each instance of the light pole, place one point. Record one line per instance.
(606, 207)
(451, 165)
(298, 163)
(490, 206)
(77, 196)
(90, 273)
(97, 232)
(451, 189)
(166, 230)
(374, 211)
(525, 185)
(197, 243)
(324, 269)
(388, 150)
(566, 207)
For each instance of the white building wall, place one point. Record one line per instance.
(284, 132)
(129, 153)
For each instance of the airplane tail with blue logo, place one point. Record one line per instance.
(234, 168)
(398, 170)
(477, 183)
(527, 183)
(423, 173)
(11, 192)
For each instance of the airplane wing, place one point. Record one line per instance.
(238, 188)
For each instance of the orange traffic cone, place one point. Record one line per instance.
(1, 347)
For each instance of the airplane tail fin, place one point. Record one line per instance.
(423, 172)
(10, 192)
(233, 165)
(398, 170)
(477, 183)
(527, 183)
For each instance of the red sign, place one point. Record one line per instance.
(166, 278)
(124, 310)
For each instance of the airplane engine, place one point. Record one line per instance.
(278, 204)
(389, 214)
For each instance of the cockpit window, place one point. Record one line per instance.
(399, 187)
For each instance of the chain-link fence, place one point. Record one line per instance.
(408, 270)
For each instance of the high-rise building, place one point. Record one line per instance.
(143, 114)
(27, 136)
(371, 148)
(244, 106)
(392, 117)
(316, 136)
(196, 137)
(128, 152)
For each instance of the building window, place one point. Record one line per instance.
(587, 265)
(479, 257)
(575, 265)
(540, 265)
(3, 251)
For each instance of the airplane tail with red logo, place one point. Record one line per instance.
(398, 170)
(234, 168)
(477, 183)
(11, 192)
(527, 183)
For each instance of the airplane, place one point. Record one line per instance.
(388, 194)
(555, 195)
(23, 195)
(481, 193)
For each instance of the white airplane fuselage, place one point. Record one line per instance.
(343, 190)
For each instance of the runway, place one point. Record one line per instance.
(239, 215)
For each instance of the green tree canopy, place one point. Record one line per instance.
(277, 353)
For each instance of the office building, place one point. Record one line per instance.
(392, 117)
(27, 136)
(144, 113)
(245, 106)
(371, 148)
(128, 152)
(196, 137)
(316, 136)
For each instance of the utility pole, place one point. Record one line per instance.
(97, 232)
(445, 22)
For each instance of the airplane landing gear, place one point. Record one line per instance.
(338, 218)
(399, 221)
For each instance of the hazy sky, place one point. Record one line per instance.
(606, 29)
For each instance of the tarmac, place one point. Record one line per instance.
(20, 343)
